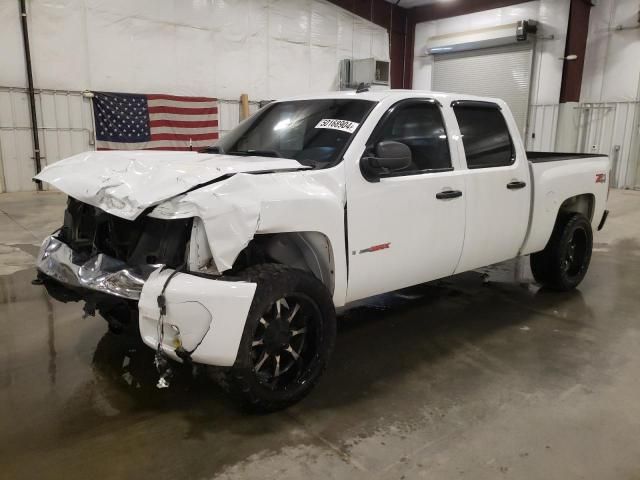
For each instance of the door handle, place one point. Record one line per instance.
(448, 194)
(516, 185)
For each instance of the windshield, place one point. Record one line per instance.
(313, 132)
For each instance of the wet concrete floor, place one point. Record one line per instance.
(482, 375)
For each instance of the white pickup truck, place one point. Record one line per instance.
(237, 256)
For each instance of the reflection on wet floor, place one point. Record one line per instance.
(483, 373)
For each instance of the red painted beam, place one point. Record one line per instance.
(407, 81)
(376, 11)
(401, 45)
(577, 32)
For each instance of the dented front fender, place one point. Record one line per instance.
(235, 210)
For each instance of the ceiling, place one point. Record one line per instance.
(415, 3)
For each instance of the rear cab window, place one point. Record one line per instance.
(485, 134)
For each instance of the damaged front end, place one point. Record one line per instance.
(145, 273)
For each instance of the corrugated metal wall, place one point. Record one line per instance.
(541, 127)
(610, 128)
(613, 129)
(65, 126)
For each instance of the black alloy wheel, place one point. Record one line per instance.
(564, 262)
(575, 253)
(287, 341)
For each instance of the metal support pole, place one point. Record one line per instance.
(32, 96)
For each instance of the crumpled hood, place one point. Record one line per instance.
(125, 183)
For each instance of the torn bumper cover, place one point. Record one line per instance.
(209, 328)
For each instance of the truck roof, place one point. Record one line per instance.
(379, 95)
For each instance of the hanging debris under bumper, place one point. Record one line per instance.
(207, 331)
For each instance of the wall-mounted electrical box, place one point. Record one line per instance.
(367, 70)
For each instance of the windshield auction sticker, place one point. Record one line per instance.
(342, 125)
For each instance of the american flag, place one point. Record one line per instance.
(126, 121)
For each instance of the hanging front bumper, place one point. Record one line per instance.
(100, 273)
(205, 316)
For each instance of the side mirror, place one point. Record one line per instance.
(389, 156)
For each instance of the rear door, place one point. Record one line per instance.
(496, 184)
(408, 227)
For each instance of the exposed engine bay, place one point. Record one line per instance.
(137, 275)
(145, 240)
(131, 248)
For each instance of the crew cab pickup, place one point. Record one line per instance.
(238, 255)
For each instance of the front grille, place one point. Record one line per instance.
(89, 231)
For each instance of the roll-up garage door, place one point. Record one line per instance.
(502, 72)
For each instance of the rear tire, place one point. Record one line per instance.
(287, 341)
(564, 262)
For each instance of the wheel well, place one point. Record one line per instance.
(309, 251)
(583, 204)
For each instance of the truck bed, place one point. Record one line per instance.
(557, 177)
(539, 157)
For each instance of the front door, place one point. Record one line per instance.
(408, 227)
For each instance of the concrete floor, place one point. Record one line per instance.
(480, 376)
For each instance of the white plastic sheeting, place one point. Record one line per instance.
(221, 48)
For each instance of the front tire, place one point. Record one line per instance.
(564, 262)
(287, 341)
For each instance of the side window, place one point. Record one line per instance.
(419, 125)
(485, 135)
